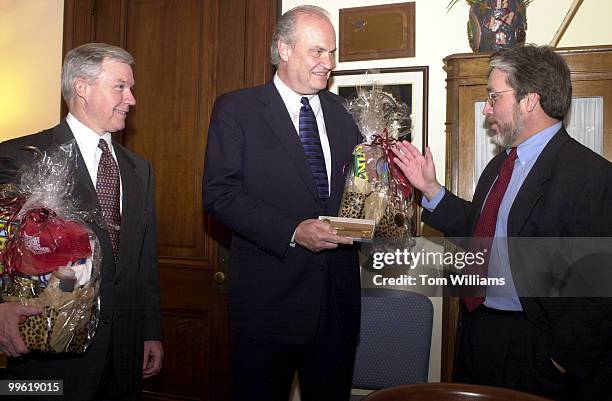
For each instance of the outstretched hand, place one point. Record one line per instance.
(318, 235)
(418, 169)
(11, 315)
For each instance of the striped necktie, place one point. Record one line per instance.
(309, 136)
(107, 188)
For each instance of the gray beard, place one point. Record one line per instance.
(508, 132)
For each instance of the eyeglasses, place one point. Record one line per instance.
(492, 96)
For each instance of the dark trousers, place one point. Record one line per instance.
(264, 370)
(108, 388)
(504, 349)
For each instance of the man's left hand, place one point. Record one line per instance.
(153, 356)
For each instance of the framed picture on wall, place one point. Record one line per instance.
(407, 84)
(377, 32)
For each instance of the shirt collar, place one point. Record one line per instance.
(533, 146)
(293, 99)
(86, 138)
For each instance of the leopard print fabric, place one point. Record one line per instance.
(353, 205)
(393, 224)
(36, 330)
(79, 341)
(388, 226)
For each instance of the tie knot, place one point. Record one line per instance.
(513, 154)
(304, 102)
(103, 145)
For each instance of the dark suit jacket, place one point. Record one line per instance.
(130, 305)
(568, 193)
(258, 183)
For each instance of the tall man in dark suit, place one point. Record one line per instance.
(544, 184)
(96, 85)
(273, 165)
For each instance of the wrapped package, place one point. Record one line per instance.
(48, 255)
(375, 189)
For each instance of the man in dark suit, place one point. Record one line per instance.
(544, 184)
(273, 165)
(96, 85)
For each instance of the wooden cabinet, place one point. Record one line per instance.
(467, 74)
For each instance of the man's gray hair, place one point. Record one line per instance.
(537, 69)
(285, 28)
(85, 62)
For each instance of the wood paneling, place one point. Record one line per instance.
(187, 52)
(172, 86)
(109, 21)
(231, 58)
(260, 21)
(78, 23)
(190, 343)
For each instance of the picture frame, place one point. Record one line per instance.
(411, 83)
(377, 32)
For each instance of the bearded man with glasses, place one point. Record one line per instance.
(543, 184)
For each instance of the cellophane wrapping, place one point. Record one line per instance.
(49, 257)
(375, 189)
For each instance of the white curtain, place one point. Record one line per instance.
(484, 149)
(584, 122)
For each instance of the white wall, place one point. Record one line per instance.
(30, 64)
(439, 34)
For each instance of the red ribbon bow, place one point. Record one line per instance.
(386, 143)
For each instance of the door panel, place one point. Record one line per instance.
(171, 114)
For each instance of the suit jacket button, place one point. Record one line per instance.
(321, 266)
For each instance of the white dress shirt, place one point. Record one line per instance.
(88, 140)
(293, 104)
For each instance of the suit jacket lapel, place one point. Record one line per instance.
(84, 191)
(533, 186)
(132, 198)
(333, 126)
(276, 115)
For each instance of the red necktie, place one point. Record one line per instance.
(107, 188)
(485, 228)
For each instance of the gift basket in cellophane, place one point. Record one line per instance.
(375, 188)
(48, 256)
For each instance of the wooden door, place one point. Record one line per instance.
(187, 52)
